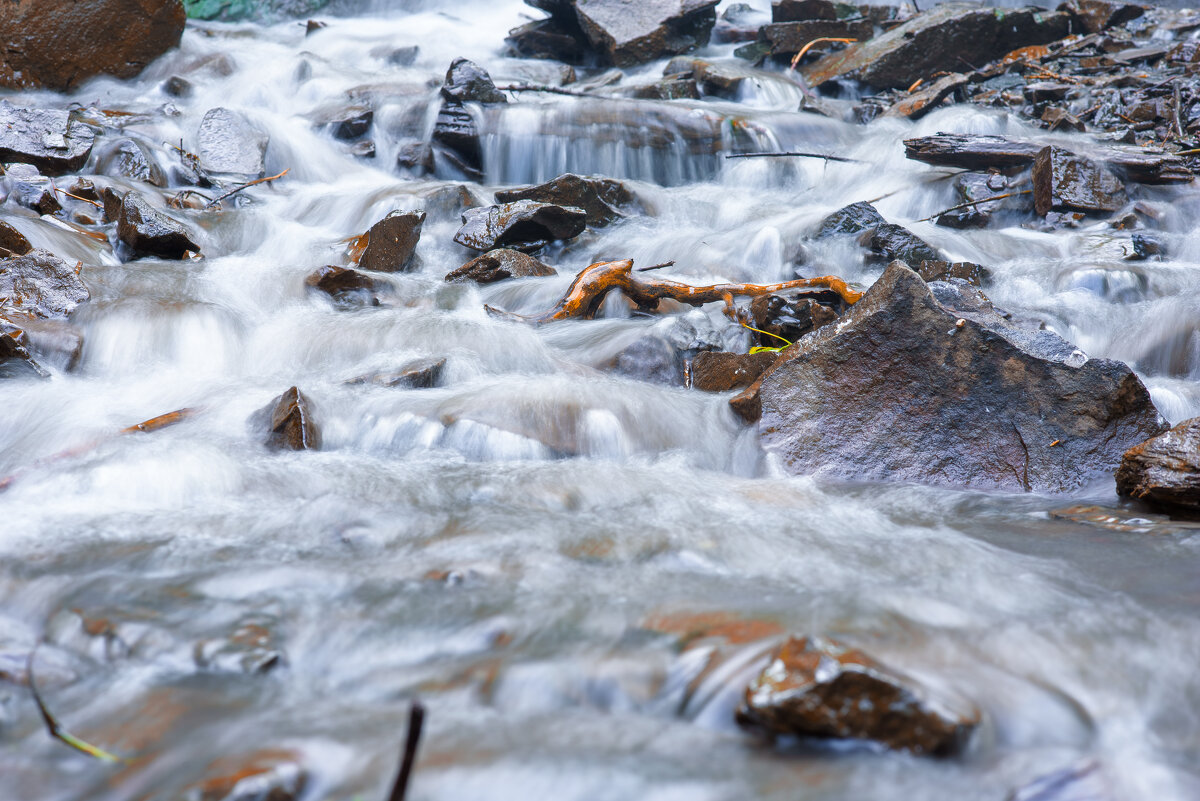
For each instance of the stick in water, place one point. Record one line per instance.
(976, 203)
(797, 154)
(55, 728)
(416, 719)
(247, 185)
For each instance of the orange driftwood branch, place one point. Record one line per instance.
(593, 283)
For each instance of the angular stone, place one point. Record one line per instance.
(929, 96)
(791, 317)
(455, 131)
(12, 241)
(46, 138)
(230, 144)
(128, 158)
(149, 232)
(971, 151)
(15, 359)
(958, 396)
(934, 41)
(1063, 181)
(789, 38)
(1164, 470)
(816, 687)
(351, 122)
(53, 342)
(421, 374)
(602, 198)
(721, 372)
(852, 219)
(939, 270)
(58, 44)
(627, 32)
(467, 82)
(668, 89)
(798, 10)
(892, 242)
(348, 288)
(392, 241)
(289, 423)
(40, 284)
(499, 265)
(1098, 15)
(521, 225)
(31, 189)
(547, 38)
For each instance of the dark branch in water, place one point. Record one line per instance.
(246, 185)
(656, 266)
(797, 154)
(416, 719)
(55, 728)
(533, 87)
(976, 203)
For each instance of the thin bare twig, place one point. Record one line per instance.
(976, 203)
(77, 197)
(416, 719)
(55, 728)
(796, 58)
(533, 87)
(246, 185)
(797, 154)
(656, 267)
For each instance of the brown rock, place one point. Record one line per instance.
(602, 198)
(797, 10)
(720, 372)
(1164, 470)
(12, 241)
(972, 273)
(958, 396)
(971, 151)
(790, 317)
(392, 241)
(149, 232)
(935, 40)
(789, 38)
(928, 97)
(57, 44)
(421, 374)
(1098, 15)
(348, 288)
(15, 359)
(522, 225)
(289, 423)
(499, 265)
(40, 284)
(263, 775)
(1063, 181)
(815, 687)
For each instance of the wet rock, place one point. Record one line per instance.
(669, 89)
(363, 150)
(351, 123)
(974, 187)
(928, 97)
(457, 136)
(111, 202)
(973, 274)
(602, 198)
(148, 232)
(1063, 181)
(1164, 470)
(289, 423)
(1125, 521)
(628, 32)
(1148, 168)
(128, 158)
(547, 38)
(40, 284)
(816, 687)
(58, 44)
(403, 56)
(12, 241)
(1095, 16)
(46, 138)
(467, 82)
(15, 359)
(790, 317)
(29, 188)
(891, 242)
(85, 189)
(799, 10)
(415, 156)
(959, 397)
(723, 371)
(421, 374)
(500, 265)
(739, 22)
(392, 242)
(651, 358)
(348, 288)
(312, 26)
(935, 40)
(251, 648)
(521, 225)
(54, 342)
(231, 145)
(785, 39)
(971, 151)
(264, 775)
(853, 219)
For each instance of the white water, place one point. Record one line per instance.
(501, 545)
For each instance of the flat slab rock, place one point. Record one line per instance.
(817, 687)
(500, 265)
(521, 225)
(57, 44)
(943, 390)
(149, 232)
(1164, 470)
(40, 284)
(46, 138)
(935, 40)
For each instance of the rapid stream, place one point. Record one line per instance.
(524, 547)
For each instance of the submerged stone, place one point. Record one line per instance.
(421, 374)
(499, 265)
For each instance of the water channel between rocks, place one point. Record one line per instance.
(524, 546)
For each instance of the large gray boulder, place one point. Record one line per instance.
(46, 138)
(943, 390)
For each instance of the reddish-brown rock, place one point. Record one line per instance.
(499, 265)
(720, 372)
(392, 241)
(1164, 470)
(348, 288)
(1063, 181)
(58, 44)
(815, 687)
(12, 241)
(290, 424)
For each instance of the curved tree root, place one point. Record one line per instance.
(593, 283)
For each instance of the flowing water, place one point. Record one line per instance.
(523, 547)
